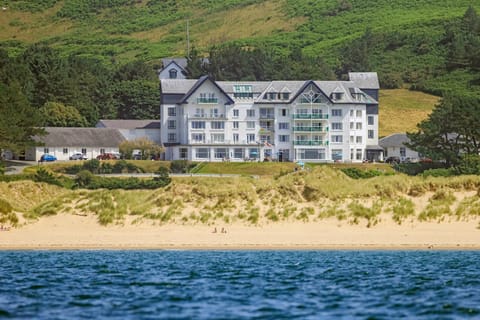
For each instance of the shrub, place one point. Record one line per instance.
(92, 165)
(181, 166)
(42, 175)
(402, 209)
(440, 172)
(356, 173)
(6, 213)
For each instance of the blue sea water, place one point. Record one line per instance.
(239, 284)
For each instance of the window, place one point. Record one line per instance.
(172, 112)
(337, 154)
(253, 152)
(284, 138)
(337, 126)
(337, 95)
(370, 120)
(336, 112)
(285, 95)
(235, 138)
(250, 124)
(352, 125)
(359, 154)
(403, 152)
(172, 74)
(238, 153)
(242, 91)
(311, 154)
(183, 153)
(220, 153)
(250, 113)
(65, 150)
(172, 137)
(337, 139)
(352, 113)
(370, 134)
(198, 124)
(102, 151)
(207, 98)
(235, 124)
(172, 124)
(202, 153)
(283, 125)
(217, 125)
(250, 138)
(359, 113)
(236, 113)
(45, 150)
(358, 126)
(199, 113)
(265, 138)
(284, 112)
(217, 137)
(198, 137)
(358, 139)
(352, 139)
(84, 150)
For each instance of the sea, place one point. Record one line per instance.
(274, 284)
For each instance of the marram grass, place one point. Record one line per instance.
(304, 196)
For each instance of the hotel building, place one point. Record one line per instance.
(309, 121)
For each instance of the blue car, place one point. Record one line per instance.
(47, 158)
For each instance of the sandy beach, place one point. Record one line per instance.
(67, 231)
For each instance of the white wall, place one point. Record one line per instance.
(92, 153)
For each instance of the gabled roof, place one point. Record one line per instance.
(185, 87)
(181, 62)
(365, 80)
(394, 140)
(129, 124)
(305, 85)
(199, 83)
(81, 137)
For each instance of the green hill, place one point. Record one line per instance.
(409, 43)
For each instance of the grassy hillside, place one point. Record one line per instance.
(401, 110)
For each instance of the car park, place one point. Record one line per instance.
(78, 156)
(47, 158)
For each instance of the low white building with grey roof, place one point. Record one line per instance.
(63, 142)
(314, 121)
(133, 129)
(394, 146)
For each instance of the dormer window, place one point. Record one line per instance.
(337, 95)
(242, 91)
(173, 74)
(271, 95)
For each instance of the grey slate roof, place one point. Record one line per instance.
(394, 140)
(129, 124)
(81, 137)
(259, 88)
(181, 62)
(365, 80)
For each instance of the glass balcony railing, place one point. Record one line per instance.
(207, 100)
(310, 129)
(310, 143)
(208, 115)
(310, 116)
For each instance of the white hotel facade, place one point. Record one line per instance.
(309, 121)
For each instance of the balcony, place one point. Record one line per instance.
(208, 116)
(207, 100)
(310, 143)
(267, 116)
(310, 129)
(310, 116)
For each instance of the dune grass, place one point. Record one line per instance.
(305, 196)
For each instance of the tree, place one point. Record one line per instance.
(56, 114)
(137, 99)
(450, 131)
(19, 122)
(146, 147)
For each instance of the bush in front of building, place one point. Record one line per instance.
(87, 180)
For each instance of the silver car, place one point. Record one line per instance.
(78, 156)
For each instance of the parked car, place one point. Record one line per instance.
(78, 156)
(108, 156)
(47, 158)
(392, 160)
